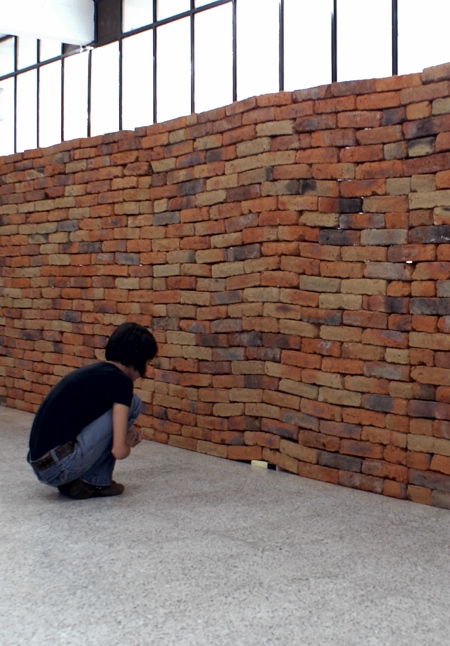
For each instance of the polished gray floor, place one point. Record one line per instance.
(201, 551)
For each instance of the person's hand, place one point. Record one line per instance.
(134, 437)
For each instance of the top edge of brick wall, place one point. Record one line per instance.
(428, 76)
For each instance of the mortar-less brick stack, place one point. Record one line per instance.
(291, 253)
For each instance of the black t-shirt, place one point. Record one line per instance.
(77, 400)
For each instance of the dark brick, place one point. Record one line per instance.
(289, 431)
(307, 186)
(71, 317)
(300, 419)
(243, 423)
(350, 204)
(337, 461)
(191, 188)
(339, 237)
(260, 381)
(323, 317)
(161, 219)
(382, 403)
(165, 323)
(245, 252)
(388, 304)
(420, 128)
(247, 339)
(440, 499)
(430, 480)
(430, 306)
(282, 341)
(223, 298)
(315, 122)
(427, 409)
(212, 340)
(263, 354)
(90, 247)
(394, 116)
(424, 391)
(127, 258)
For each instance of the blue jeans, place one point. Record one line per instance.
(91, 459)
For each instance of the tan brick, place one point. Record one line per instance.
(299, 452)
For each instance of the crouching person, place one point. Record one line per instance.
(85, 423)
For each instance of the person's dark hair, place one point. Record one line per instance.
(131, 344)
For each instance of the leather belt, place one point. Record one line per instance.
(51, 458)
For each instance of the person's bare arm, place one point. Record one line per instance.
(123, 439)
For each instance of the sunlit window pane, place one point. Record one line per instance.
(27, 111)
(7, 117)
(75, 96)
(202, 3)
(307, 43)
(49, 49)
(137, 80)
(213, 58)
(257, 48)
(423, 34)
(174, 70)
(6, 56)
(364, 39)
(50, 104)
(105, 89)
(27, 51)
(167, 8)
(136, 13)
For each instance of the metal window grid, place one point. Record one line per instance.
(67, 51)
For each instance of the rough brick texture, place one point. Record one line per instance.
(291, 254)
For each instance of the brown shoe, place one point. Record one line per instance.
(81, 490)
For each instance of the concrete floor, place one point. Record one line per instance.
(201, 551)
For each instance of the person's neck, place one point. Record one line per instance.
(129, 371)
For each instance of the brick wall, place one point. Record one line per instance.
(291, 253)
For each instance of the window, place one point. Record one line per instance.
(137, 80)
(27, 110)
(213, 58)
(26, 52)
(49, 49)
(6, 56)
(168, 8)
(364, 37)
(136, 13)
(76, 96)
(151, 64)
(7, 117)
(257, 48)
(307, 29)
(422, 35)
(50, 104)
(174, 70)
(105, 89)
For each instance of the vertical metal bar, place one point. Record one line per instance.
(89, 105)
(394, 37)
(234, 45)
(38, 100)
(281, 46)
(120, 70)
(192, 56)
(334, 19)
(62, 96)
(155, 63)
(15, 92)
